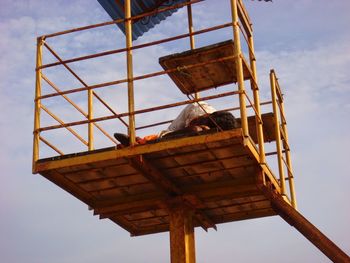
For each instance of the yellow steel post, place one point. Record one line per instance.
(131, 103)
(190, 30)
(239, 68)
(190, 25)
(36, 137)
(277, 132)
(254, 85)
(289, 162)
(90, 117)
(182, 238)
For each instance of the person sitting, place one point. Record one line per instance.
(194, 118)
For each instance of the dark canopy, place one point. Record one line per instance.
(115, 8)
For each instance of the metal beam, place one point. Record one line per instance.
(306, 228)
(169, 188)
(182, 241)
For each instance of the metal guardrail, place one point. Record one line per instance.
(241, 26)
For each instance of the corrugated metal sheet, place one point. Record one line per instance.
(116, 11)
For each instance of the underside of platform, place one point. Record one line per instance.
(215, 174)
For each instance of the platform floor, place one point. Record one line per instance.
(216, 174)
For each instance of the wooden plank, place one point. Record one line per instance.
(235, 201)
(97, 174)
(117, 192)
(232, 173)
(207, 190)
(163, 182)
(152, 229)
(240, 207)
(129, 211)
(212, 178)
(155, 176)
(204, 153)
(110, 183)
(149, 214)
(194, 79)
(244, 215)
(205, 167)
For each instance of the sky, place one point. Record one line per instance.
(307, 42)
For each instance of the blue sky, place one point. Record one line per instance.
(306, 41)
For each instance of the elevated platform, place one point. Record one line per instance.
(216, 174)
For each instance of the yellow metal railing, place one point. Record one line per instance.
(282, 143)
(241, 26)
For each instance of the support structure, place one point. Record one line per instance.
(90, 117)
(254, 85)
(278, 134)
(308, 230)
(129, 61)
(190, 31)
(39, 62)
(182, 236)
(175, 184)
(239, 67)
(284, 133)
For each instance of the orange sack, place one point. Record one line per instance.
(147, 138)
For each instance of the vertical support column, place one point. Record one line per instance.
(277, 132)
(90, 117)
(182, 239)
(239, 68)
(190, 30)
(36, 138)
(254, 86)
(190, 25)
(129, 61)
(289, 162)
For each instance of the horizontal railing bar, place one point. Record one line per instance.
(140, 111)
(150, 75)
(80, 80)
(273, 153)
(169, 121)
(121, 20)
(153, 125)
(77, 29)
(157, 42)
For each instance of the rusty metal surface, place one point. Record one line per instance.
(216, 177)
